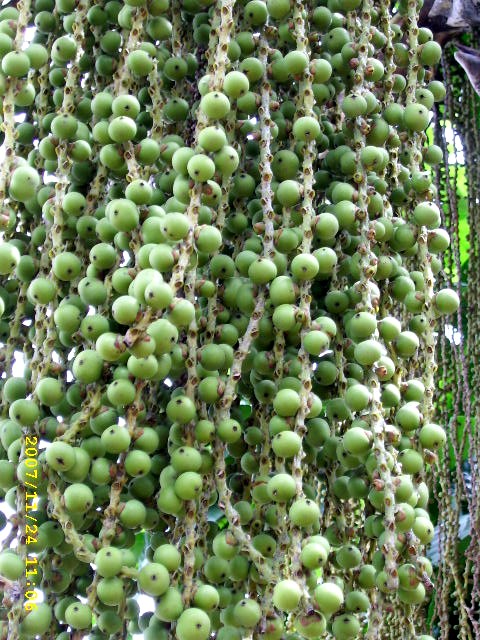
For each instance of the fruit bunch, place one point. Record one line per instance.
(220, 243)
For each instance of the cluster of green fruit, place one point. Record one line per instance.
(219, 247)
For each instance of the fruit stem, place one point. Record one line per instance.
(367, 262)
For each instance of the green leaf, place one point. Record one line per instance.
(431, 609)
(463, 229)
(244, 410)
(140, 547)
(215, 514)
